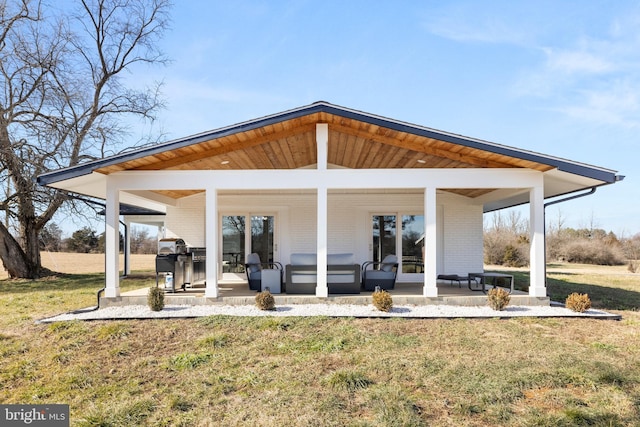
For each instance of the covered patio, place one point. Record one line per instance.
(318, 175)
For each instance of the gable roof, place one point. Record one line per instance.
(357, 139)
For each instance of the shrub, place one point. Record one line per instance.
(498, 298)
(586, 251)
(265, 301)
(505, 250)
(155, 298)
(578, 302)
(513, 257)
(382, 300)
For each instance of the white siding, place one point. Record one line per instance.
(463, 240)
(459, 223)
(186, 220)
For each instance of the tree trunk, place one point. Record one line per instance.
(14, 258)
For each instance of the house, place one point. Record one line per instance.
(326, 179)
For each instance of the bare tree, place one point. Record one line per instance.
(142, 242)
(62, 102)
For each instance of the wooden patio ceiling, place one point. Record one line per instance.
(290, 144)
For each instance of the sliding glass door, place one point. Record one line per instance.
(401, 235)
(238, 242)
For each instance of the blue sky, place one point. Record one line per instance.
(556, 77)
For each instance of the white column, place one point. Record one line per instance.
(127, 248)
(322, 290)
(537, 285)
(322, 144)
(430, 243)
(322, 147)
(112, 241)
(211, 241)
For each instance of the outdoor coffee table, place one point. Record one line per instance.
(492, 276)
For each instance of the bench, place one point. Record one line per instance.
(452, 278)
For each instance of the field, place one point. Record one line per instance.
(323, 371)
(73, 263)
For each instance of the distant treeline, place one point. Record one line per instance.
(507, 242)
(87, 240)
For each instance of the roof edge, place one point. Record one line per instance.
(595, 172)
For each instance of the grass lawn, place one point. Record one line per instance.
(322, 371)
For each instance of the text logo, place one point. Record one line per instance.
(34, 415)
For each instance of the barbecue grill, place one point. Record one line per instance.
(171, 246)
(172, 262)
(196, 272)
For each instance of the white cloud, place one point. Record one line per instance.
(468, 23)
(592, 79)
(587, 69)
(616, 104)
(488, 31)
(561, 70)
(577, 61)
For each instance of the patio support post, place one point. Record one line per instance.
(430, 239)
(322, 289)
(211, 242)
(127, 248)
(322, 146)
(112, 241)
(537, 285)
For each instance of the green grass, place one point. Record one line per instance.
(321, 371)
(618, 290)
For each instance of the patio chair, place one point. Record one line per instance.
(380, 273)
(262, 275)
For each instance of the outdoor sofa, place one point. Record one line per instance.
(343, 274)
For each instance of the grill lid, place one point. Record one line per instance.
(171, 246)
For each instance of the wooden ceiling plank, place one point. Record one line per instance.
(276, 147)
(238, 141)
(352, 144)
(395, 157)
(369, 155)
(423, 145)
(275, 158)
(286, 153)
(349, 149)
(358, 147)
(381, 155)
(338, 148)
(241, 160)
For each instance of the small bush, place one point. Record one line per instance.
(578, 302)
(382, 300)
(498, 298)
(265, 301)
(155, 298)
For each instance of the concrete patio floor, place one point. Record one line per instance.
(238, 293)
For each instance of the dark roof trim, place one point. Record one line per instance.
(564, 165)
(125, 209)
(128, 210)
